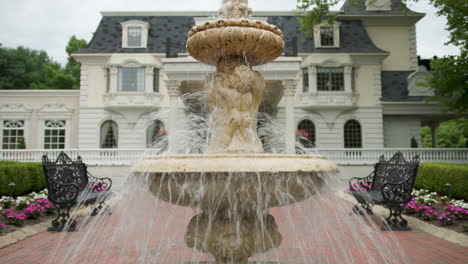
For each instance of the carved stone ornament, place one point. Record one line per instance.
(173, 87)
(289, 87)
(378, 5)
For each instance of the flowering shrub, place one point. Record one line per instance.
(446, 218)
(14, 218)
(460, 203)
(444, 199)
(2, 225)
(412, 206)
(33, 211)
(458, 212)
(48, 206)
(7, 201)
(429, 214)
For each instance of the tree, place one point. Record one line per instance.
(73, 67)
(450, 134)
(450, 79)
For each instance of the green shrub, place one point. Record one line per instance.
(434, 177)
(28, 177)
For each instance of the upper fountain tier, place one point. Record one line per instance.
(234, 35)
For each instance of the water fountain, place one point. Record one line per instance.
(234, 184)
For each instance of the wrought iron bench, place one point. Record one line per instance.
(69, 183)
(391, 184)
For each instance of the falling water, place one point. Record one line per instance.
(244, 211)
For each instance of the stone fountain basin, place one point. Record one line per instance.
(242, 182)
(258, 43)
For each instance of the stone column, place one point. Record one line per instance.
(113, 71)
(434, 127)
(348, 79)
(313, 79)
(289, 88)
(173, 90)
(149, 77)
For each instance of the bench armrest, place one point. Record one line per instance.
(397, 193)
(364, 182)
(98, 183)
(62, 194)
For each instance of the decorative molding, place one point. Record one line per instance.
(16, 111)
(413, 48)
(144, 26)
(290, 87)
(336, 34)
(377, 82)
(378, 5)
(173, 87)
(55, 111)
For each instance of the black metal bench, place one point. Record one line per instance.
(69, 183)
(391, 184)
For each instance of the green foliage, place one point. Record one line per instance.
(23, 68)
(73, 68)
(434, 176)
(450, 134)
(450, 79)
(28, 177)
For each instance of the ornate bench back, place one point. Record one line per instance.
(65, 171)
(395, 170)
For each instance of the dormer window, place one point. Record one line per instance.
(327, 36)
(134, 37)
(134, 34)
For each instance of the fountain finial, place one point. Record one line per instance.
(235, 9)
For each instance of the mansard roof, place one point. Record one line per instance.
(360, 8)
(108, 36)
(395, 87)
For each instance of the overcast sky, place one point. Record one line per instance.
(48, 24)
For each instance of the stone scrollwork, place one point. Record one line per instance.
(173, 87)
(290, 86)
(378, 5)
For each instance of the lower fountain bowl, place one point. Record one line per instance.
(235, 182)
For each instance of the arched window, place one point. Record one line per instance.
(109, 134)
(155, 133)
(306, 133)
(352, 134)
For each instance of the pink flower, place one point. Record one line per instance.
(2, 225)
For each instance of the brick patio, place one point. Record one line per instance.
(312, 232)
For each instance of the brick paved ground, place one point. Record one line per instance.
(317, 231)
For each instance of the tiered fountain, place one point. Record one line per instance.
(234, 185)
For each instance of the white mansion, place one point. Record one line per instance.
(353, 85)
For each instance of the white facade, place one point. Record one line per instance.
(101, 97)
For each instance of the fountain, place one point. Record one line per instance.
(234, 184)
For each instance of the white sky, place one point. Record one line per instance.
(48, 24)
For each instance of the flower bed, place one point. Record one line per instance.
(439, 210)
(24, 210)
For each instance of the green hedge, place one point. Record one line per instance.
(434, 176)
(28, 177)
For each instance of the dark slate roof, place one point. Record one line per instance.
(360, 8)
(353, 37)
(108, 36)
(395, 87)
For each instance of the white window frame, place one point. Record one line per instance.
(144, 26)
(4, 128)
(336, 35)
(120, 80)
(64, 128)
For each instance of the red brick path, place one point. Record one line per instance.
(320, 230)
